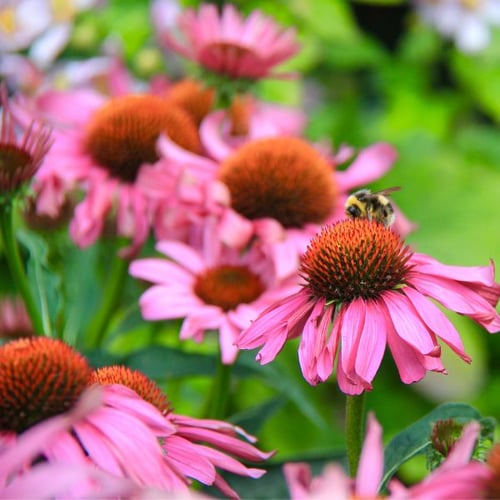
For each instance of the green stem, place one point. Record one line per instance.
(16, 266)
(111, 296)
(219, 394)
(354, 422)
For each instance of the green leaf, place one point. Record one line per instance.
(160, 363)
(254, 418)
(81, 290)
(44, 282)
(414, 440)
(284, 384)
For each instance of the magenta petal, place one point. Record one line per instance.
(408, 362)
(458, 298)
(220, 426)
(159, 271)
(30, 442)
(141, 458)
(275, 317)
(183, 254)
(272, 347)
(471, 274)
(370, 164)
(372, 342)
(226, 462)
(73, 107)
(57, 480)
(97, 449)
(211, 136)
(198, 321)
(229, 444)
(407, 323)
(313, 342)
(346, 384)
(181, 453)
(161, 302)
(436, 321)
(350, 331)
(125, 399)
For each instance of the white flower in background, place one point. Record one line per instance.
(42, 26)
(467, 22)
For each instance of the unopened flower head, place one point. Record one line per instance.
(365, 290)
(21, 152)
(14, 319)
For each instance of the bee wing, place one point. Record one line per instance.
(388, 190)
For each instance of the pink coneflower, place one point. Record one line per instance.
(365, 290)
(211, 286)
(21, 151)
(227, 44)
(282, 189)
(41, 379)
(456, 477)
(198, 447)
(108, 148)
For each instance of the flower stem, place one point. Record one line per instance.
(16, 265)
(111, 296)
(354, 430)
(219, 394)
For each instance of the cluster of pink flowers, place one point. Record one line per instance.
(40, 437)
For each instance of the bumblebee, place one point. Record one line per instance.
(364, 204)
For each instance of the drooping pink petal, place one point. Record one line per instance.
(458, 298)
(313, 342)
(349, 384)
(372, 342)
(353, 321)
(180, 453)
(408, 324)
(409, 364)
(436, 321)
